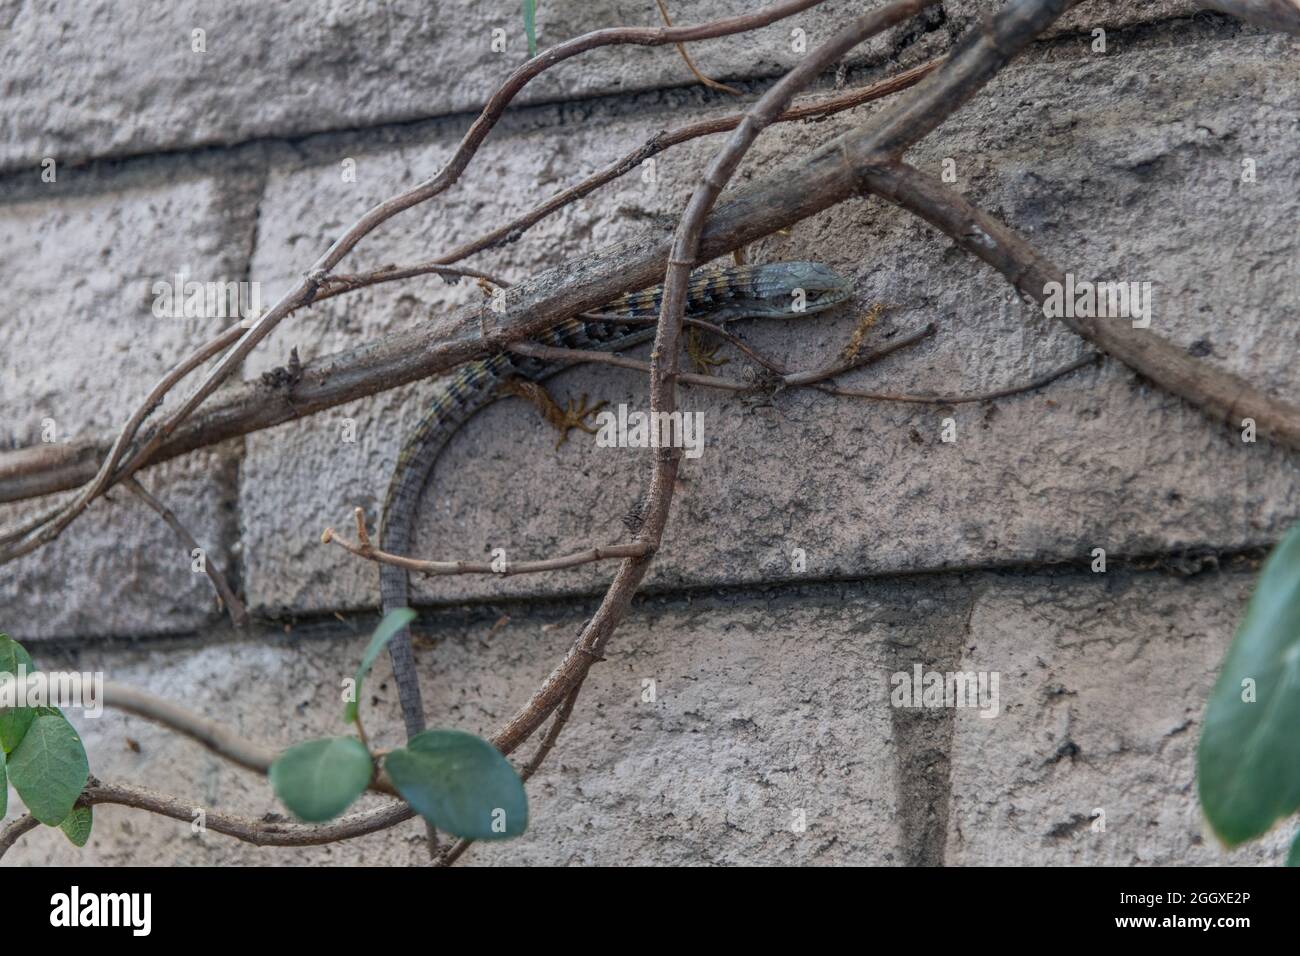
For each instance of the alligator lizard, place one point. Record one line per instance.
(785, 289)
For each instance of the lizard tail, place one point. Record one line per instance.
(393, 588)
(474, 388)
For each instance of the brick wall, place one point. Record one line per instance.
(772, 686)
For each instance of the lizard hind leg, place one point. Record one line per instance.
(562, 418)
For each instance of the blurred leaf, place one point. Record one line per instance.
(530, 26)
(1248, 762)
(393, 622)
(461, 784)
(319, 779)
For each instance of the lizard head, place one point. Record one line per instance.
(822, 286)
(793, 289)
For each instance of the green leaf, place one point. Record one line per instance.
(393, 622)
(1248, 761)
(14, 721)
(4, 787)
(1293, 858)
(77, 824)
(461, 784)
(530, 25)
(49, 768)
(319, 779)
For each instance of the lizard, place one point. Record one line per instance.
(720, 294)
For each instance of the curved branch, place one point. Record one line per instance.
(1218, 394)
(256, 832)
(215, 736)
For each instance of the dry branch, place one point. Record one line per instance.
(233, 605)
(256, 832)
(1223, 397)
(365, 549)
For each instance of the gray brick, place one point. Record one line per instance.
(81, 349)
(766, 703)
(711, 771)
(1103, 684)
(107, 79)
(99, 79)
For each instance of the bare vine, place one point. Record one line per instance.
(867, 159)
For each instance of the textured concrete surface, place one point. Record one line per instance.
(82, 346)
(1093, 761)
(126, 78)
(772, 685)
(94, 80)
(766, 704)
(1123, 166)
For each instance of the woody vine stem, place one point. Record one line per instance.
(867, 159)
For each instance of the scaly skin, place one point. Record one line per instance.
(718, 294)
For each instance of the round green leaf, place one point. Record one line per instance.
(77, 824)
(319, 779)
(461, 784)
(1248, 761)
(14, 721)
(49, 768)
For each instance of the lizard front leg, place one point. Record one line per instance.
(564, 419)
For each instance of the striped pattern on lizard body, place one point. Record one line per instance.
(718, 294)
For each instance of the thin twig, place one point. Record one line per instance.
(236, 608)
(216, 736)
(734, 341)
(1010, 390)
(339, 284)
(664, 140)
(711, 84)
(365, 549)
(550, 353)
(212, 734)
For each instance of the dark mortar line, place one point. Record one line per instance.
(923, 742)
(323, 625)
(21, 183)
(1173, 564)
(521, 118)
